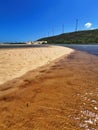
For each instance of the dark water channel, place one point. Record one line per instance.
(93, 49)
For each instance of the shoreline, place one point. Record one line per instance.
(62, 94)
(16, 62)
(16, 83)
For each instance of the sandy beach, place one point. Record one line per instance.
(17, 61)
(62, 95)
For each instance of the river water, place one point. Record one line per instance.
(92, 49)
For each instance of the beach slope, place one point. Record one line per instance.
(15, 62)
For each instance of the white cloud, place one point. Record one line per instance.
(88, 25)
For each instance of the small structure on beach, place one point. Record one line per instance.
(36, 42)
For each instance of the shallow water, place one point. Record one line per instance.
(92, 49)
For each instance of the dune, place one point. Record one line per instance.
(17, 61)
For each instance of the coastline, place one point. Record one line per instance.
(62, 94)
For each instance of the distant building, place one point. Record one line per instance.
(29, 43)
(36, 42)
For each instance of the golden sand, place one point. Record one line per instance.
(16, 62)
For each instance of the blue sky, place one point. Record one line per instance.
(26, 20)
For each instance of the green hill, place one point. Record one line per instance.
(79, 37)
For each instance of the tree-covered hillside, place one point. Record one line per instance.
(79, 37)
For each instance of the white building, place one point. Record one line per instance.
(36, 42)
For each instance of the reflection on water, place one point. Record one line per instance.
(93, 49)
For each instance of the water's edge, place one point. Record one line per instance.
(92, 49)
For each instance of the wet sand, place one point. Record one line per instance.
(60, 96)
